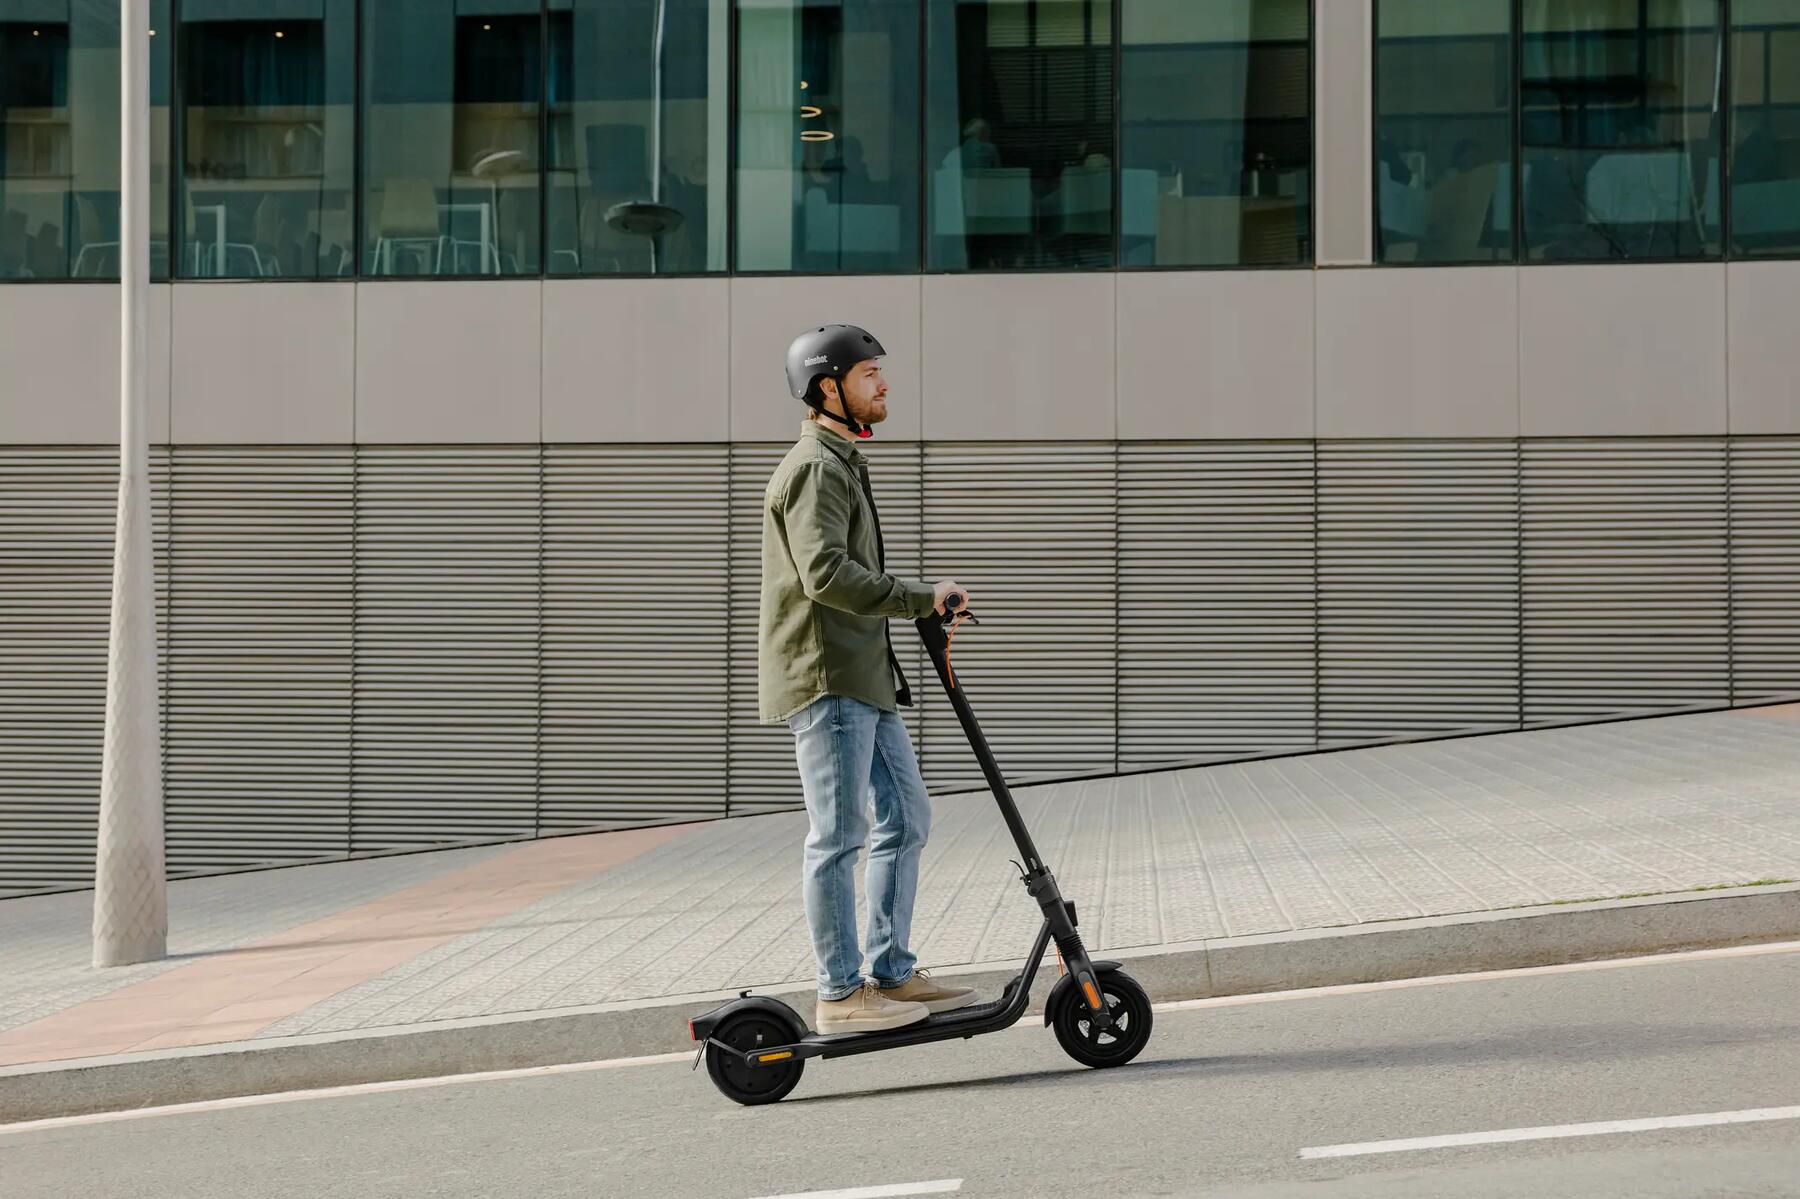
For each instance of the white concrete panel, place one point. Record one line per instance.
(768, 312)
(1020, 357)
(636, 360)
(1344, 154)
(59, 364)
(1765, 347)
(1621, 350)
(1419, 352)
(449, 362)
(264, 363)
(1215, 354)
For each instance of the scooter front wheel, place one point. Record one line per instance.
(1090, 1045)
(746, 1084)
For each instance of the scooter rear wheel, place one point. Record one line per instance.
(1130, 1031)
(751, 1085)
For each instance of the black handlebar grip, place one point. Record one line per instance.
(953, 601)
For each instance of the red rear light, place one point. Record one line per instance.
(691, 1035)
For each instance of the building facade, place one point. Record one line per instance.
(1282, 376)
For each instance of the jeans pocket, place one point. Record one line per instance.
(809, 716)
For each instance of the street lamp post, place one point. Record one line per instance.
(131, 909)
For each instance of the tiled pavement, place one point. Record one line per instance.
(1377, 834)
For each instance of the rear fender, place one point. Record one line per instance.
(701, 1027)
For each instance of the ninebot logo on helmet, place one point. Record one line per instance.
(819, 359)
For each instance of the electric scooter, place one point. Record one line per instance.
(756, 1046)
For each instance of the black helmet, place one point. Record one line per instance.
(827, 352)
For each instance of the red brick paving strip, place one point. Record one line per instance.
(237, 993)
(1778, 711)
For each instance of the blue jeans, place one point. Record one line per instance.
(851, 753)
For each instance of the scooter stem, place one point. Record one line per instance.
(1038, 880)
(931, 632)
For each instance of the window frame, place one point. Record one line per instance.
(169, 187)
(1726, 27)
(1310, 260)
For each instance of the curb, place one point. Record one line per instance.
(1431, 945)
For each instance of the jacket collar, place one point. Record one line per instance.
(842, 448)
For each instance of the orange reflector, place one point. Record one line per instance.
(773, 1057)
(1093, 994)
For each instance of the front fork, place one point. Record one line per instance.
(1059, 913)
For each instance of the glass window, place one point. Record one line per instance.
(59, 139)
(267, 88)
(1019, 134)
(1621, 129)
(1765, 127)
(828, 135)
(1216, 133)
(1444, 131)
(637, 135)
(451, 100)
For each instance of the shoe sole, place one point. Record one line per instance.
(885, 1024)
(939, 1006)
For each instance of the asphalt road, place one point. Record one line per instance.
(1222, 1103)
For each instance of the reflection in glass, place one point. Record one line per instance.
(1765, 127)
(59, 139)
(1019, 134)
(828, 140)
(637, 135)
(1217, 136)
(1621, 129)
(267, 181)
(1444, 131)
(451, 96)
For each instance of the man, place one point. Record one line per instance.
(826, 667)
(977, 150)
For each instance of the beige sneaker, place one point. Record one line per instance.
(936, 996)
(865, 1010)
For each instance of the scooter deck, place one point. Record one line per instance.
(975, 1013)
(942, 1025)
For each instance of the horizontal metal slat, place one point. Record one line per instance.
(1418, 589)
(1623, 576)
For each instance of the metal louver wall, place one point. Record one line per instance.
(1765, 568)
(1216, 601)
(257, 707)
(57, 511)
(761, 757)
(1624, 577)
(1418, 589)
(635, 616)
(1033, 531)
(444, 746)
(379, 647)
(162, 511)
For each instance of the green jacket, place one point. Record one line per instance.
(825, 597)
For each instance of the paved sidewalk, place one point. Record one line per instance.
(1326, 840)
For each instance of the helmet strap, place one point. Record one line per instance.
(856, 430)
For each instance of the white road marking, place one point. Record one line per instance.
(1437, 980)
(366, 1088)
(943, 1186)
(410, 1084)
(1552, 1132)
